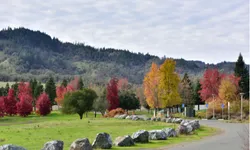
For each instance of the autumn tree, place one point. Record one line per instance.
(60, 92)
(100, 103)
(122, 84)
(10, 103)
(151, 88)
(168, 85)
(79, 101)
(43, 105)
(112, 94)
(2, 106)
(25, 92)
(242, 72)
(73, 85)
(186, 91)
(24, 107)
(50, 89)
(228, 88)
(210, 84)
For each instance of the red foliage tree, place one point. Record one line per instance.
(234, 79)
(210, 84)
(10, 103)
(43, 105)
(2, 106)
(73, 85)
(24, 107)
(60, 92)
(122, 84)
(24, 91)
(112, 94)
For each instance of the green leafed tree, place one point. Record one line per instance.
(81, 85)
(242, 72)
(64, 83)
(79, 102)
(128, 101)
(100, 103)
(186, 91)
(196, 95)
(50, 89)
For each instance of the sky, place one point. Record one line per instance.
(208, 30)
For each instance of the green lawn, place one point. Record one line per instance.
(32, 132)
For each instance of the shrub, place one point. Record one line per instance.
(2, 106)
(112, 113)
(43, 105)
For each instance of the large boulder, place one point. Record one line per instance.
(186, 128)
(141, 136)
(11, 147)
(129, 117)
(53, 145)
(153, 119)
(157, 135)
(163, 119)
(102, 141)
(123, 116)
(195, 124)
(124, 141)
(81, 144)
(170, 132)
(117, 116)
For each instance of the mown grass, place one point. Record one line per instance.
(32, 132)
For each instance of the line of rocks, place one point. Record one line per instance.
(104, 141)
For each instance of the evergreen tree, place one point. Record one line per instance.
(64, 83)
(7, 87)
(242, 72)
(38, 90)
(50, 89)
(196, 95)
(187, 91)
(81, 85)
(15, 88)
(33, 84)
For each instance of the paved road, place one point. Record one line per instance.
(229, 139)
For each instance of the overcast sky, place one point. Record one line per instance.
(207, 30)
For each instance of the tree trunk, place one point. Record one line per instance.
(155, 112)
(81, 116)
(198, 106)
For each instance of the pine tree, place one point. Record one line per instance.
(81, 85)
(7, 87)
(64, 83)
(187, 91)
(242, 72)
(15, 88)
(50, 89)
(196, 95)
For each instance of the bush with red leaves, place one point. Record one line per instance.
(112, 113)
(43, 105)
(10, 103)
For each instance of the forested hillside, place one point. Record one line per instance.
(25, 53)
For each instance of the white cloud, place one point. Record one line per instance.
(212, 31)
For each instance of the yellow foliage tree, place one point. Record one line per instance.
(227, 90)
(168, 85)
(151, 91)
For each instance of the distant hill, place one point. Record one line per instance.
(25, 53)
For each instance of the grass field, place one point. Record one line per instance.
(32, 132)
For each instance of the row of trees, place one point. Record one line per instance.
(23, 100)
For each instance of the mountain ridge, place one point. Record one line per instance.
(25, 53)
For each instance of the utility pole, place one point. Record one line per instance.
(241, 105)
(213, 106)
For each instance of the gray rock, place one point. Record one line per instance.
(177, 120)
(117, 116)
(157, 135)
(53, 145)
(134, 117)
(11, 147)
(123, 116)
(168, 120)
(158, 119)
(195, 124)
(163, 119)
(189, 129)
(170, 132)
(184, 122)
(81, 144)
(129, 117)
(153, 119)
(124, 141)
(141, 136)
(103, 141)
(185, 129)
